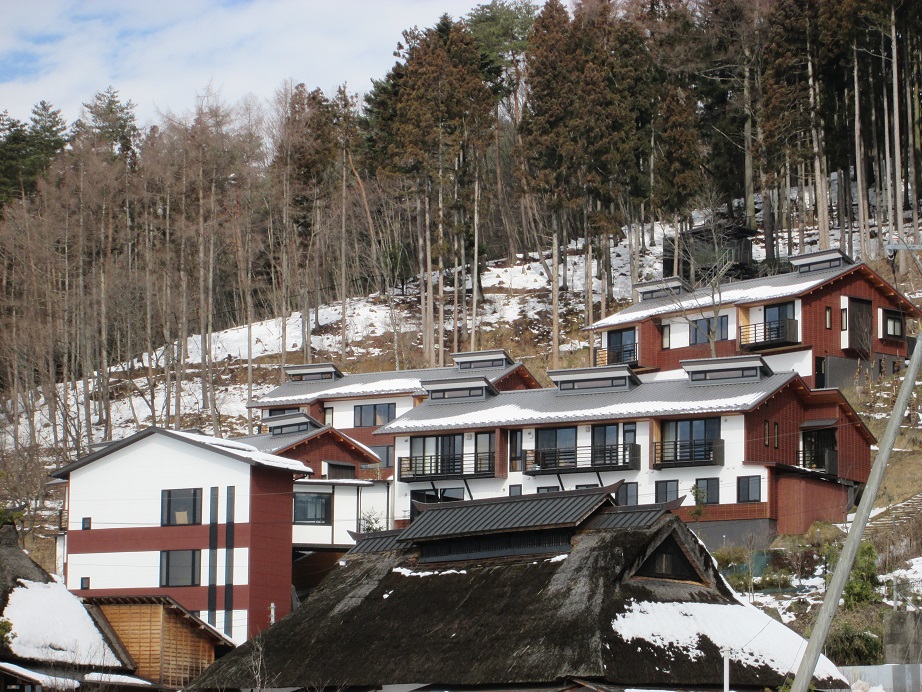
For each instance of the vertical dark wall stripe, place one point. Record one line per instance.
(213, 557)
(229, 563)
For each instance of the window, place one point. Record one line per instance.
(328, 415)
(627, 494)
(180, 567)
(668, 561)
(700, 330)
(476, 364)
(374, 415)
(181, 507)
(472, 393)
(667, 337)
(86, 523)
(313, 508)
(749, 489)
(843, 317)
(893, 325)
(84, 583)
(725, 374)
(548, 489)
(667, 491)
(515, 490)
(622, 346)
(708, 490)
(779, 313)
(385, 454)
(282, 411)
(515, 450)
(777, 435)
(597, 383)
(765, 433)
(828, 318)
(690, 440)
(437, 455)
(586, 486)
(294, 427)
(555, 447)
(629, 430)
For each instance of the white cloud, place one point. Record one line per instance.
(162, 53)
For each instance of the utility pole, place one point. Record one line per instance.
(840, 576)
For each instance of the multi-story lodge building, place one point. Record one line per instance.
(825, 320)
(761, 451)
(205, 521)
(358, 404)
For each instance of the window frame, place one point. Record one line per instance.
(627, 492)
(828, 317)
(894, 317)
(700, 330)
(663, 490)
(371, 415)
(777, 435)
(167, 578)
(748, 482)
(709, 490)
(516, 453)
(325, 515)
(667, 336)
(166, 507)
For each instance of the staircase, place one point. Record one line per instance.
(896, 517)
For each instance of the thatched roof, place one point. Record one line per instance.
(596, 609)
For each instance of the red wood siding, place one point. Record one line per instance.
(785, 408)
(802, 501)
(516, 380)
(653, 355)
(152, 538)
(726, 512)
(270, 548)
(328, 447)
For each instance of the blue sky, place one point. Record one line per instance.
(163, 54)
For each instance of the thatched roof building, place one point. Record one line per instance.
(545, 591)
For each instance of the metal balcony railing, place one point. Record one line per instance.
(678, 453)
(624, 457)
(474, 465)
(825, 460)
(768, 334)
(614, 356)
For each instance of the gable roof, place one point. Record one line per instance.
(235, 450)
(549, 406)
(760, 290)
(564, 509)
(276, 444)
(368, 384)
(532, 620)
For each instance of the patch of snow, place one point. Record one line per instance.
(115, 679)
(51, 624)
(46, 681)
(558, 558)
(410, 573)
(754, 637)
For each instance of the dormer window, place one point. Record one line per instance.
(819, 261)
(716, 375)
(669, 561)
(470, 393)
(312, 377)
(720, 370)
(819, 266)
(477, 364)
(285, 429)
(597, 383)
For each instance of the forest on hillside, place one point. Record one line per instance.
(511, 130)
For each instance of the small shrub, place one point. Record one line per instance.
(854, 644)
(739, 582)
(772, 579)
(731, 556)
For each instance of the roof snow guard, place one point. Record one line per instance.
(313, 371)
(819, 261)
(724, 370)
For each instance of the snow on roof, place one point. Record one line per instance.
(114, 679)
(247, 452)
(540, 406)
(51, 624)
(46, 681)
(754, 638)
(762, 289)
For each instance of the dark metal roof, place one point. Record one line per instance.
(504, 514)
(819, 423)
(549, 406)
(639, 517)
(377, 542)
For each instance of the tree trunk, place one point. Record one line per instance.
(864, 231)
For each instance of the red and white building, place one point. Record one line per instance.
(205, 521)
(825, 320)
(764, 453)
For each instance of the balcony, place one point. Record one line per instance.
(431, 468)
(626, 354)
(679, 453)
(769, 335)
(575, 459)
(822, 460)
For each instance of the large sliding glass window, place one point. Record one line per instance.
(437, 454)
(690, 440)
(556, 447)
(622, 346)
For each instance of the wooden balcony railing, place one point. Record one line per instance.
(575, 459)
(825, 460)
(769, 334)
(678, 453)
(475, 465)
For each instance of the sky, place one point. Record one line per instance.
(164, 54)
